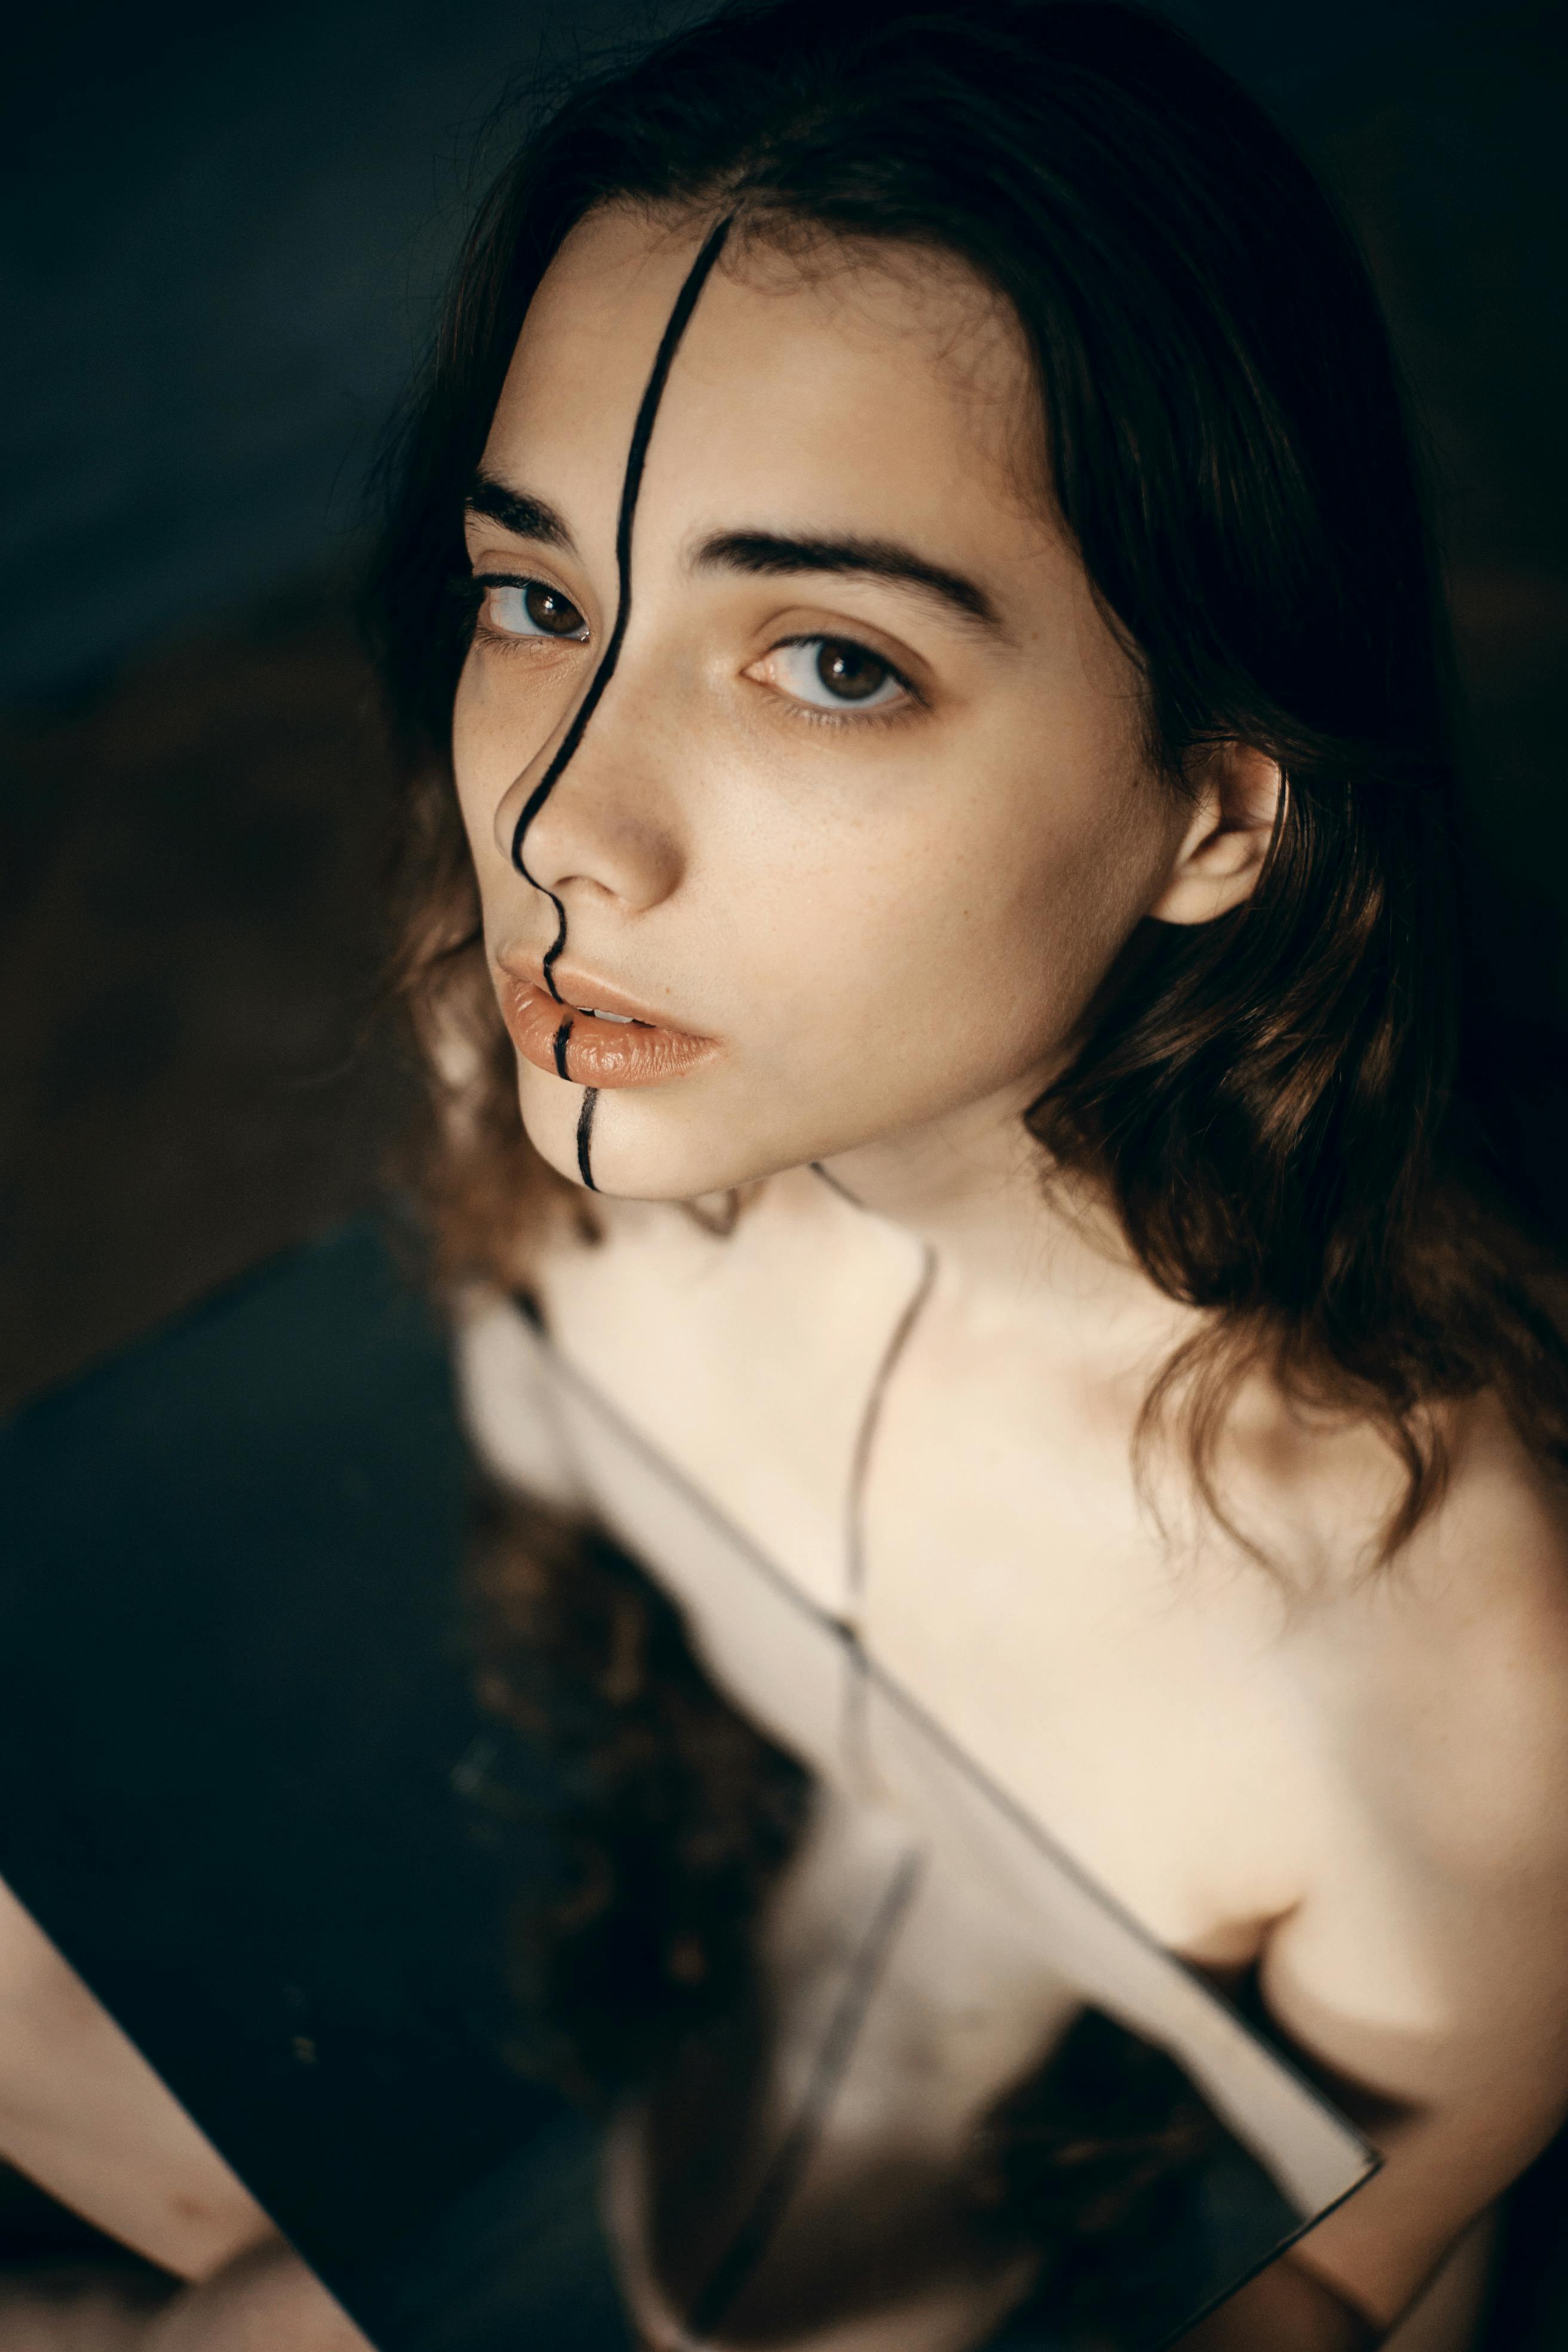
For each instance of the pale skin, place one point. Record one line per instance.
(892, 919)
(1346, 1778)
(83, 2114)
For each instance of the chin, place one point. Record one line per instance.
(646, 1144)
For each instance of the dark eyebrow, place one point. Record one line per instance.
(765, 551)
(519, 511)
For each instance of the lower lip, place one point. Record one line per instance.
(597, 1053)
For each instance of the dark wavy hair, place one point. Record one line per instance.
(1268, 1102)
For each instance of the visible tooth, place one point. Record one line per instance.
(626, 1019)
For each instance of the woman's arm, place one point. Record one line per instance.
(1284, 2309)
(265, 2301)
(1424, 1975)
(83, 2115)
(1288, 2310)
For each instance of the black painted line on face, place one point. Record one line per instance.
(631, 483)
(563, 1037)
(552, 952)
(585, 1137)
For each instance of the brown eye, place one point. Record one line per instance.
(848, 672)
(531, 608)
(836, 674)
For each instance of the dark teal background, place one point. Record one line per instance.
(236, 1740)
(220, 231)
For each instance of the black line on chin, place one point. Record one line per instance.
(562, 1036)
(585, 1137)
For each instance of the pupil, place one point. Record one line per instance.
(849, 670)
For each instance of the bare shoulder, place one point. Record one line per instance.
(1439, 1678)
(1453, 1661)
(1427, 1963)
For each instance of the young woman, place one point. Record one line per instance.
(1029, 1430)
(948, 712)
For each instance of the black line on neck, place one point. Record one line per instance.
(834, 1185)
(866, 1435)
(563, 1037)
(585, 1137)
(853, 1731)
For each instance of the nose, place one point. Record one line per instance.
(607, 827)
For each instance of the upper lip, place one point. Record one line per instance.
(580, 991)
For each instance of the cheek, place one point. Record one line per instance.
(967, 944)
(492, 740)
(473, 762)
(1047, 905)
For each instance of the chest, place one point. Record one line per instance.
(1010, 1715)
(967, 1517)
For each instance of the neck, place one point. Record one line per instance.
(976, 1186)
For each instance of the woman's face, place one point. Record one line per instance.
(862, 817)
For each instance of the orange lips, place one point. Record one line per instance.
(629, 1052)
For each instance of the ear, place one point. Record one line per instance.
(1221, 855)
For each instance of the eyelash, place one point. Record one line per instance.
(848, 716)
(472, 588)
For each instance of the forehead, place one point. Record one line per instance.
(858, 386)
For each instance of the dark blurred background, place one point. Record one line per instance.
(222, 233)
